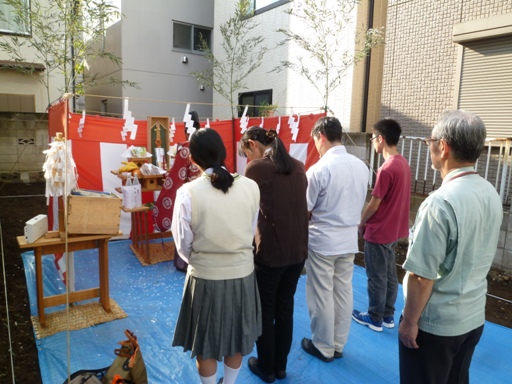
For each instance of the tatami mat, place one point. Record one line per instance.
(158, 252)
(76, 317)
(151, 297)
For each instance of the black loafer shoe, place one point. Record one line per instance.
(253, 366)
(308, 347)
(338, 355)
(280, 375)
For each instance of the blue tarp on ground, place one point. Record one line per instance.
(151, 298)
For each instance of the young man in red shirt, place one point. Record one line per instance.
(385, 219)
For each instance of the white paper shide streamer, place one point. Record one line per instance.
(244, 120)
(59, 168)
(294, 126)
(189, 123)
(172, 130)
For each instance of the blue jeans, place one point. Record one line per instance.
(380, 262)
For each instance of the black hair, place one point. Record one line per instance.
(208, 151)
(277, 154)
(330, 127)
(389, 129)
(195, 118)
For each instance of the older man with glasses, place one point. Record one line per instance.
(453, 244)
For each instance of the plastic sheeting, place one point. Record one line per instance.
(151, 297)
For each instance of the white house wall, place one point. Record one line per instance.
(13, 82)
(104, 69)
(292, 92)
(145, 34)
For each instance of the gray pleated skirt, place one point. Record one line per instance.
(218, 317)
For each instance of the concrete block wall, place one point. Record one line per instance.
(23, 138)
(357, 144)
(503, 257)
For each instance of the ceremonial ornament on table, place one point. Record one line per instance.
(61, 178)
(59, 168)
(159, 140)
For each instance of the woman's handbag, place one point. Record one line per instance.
(129, 365)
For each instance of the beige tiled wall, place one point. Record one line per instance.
(420, 62)
(420, 57)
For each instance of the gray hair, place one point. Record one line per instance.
(464, 132)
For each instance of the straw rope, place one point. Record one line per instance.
(304, 110)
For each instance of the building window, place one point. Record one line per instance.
(17, 103)
(13, 21)
(484, 74)
(260, 6)
(485, 82)
(253, 100)
(188, 37)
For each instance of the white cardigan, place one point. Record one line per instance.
(214, 231)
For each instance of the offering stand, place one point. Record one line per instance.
(140, 233)
(52, 243)
(140, 226)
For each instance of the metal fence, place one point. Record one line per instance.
(494, 164)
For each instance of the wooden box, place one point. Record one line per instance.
(93, 214)
(151, 181)
(140, 161)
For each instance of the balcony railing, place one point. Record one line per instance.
(494, 164)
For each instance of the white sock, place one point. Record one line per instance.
(230, 374)
(208, 380)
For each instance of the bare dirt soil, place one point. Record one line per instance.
(20, 202)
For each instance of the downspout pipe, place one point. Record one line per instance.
(367, 65)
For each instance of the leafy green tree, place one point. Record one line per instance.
(242, 54)
(326, 23)
(64, 35)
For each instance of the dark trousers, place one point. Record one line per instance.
(439, 359)
(277, 287)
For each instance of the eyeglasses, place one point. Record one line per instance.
(374, 137)
(429, 141)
